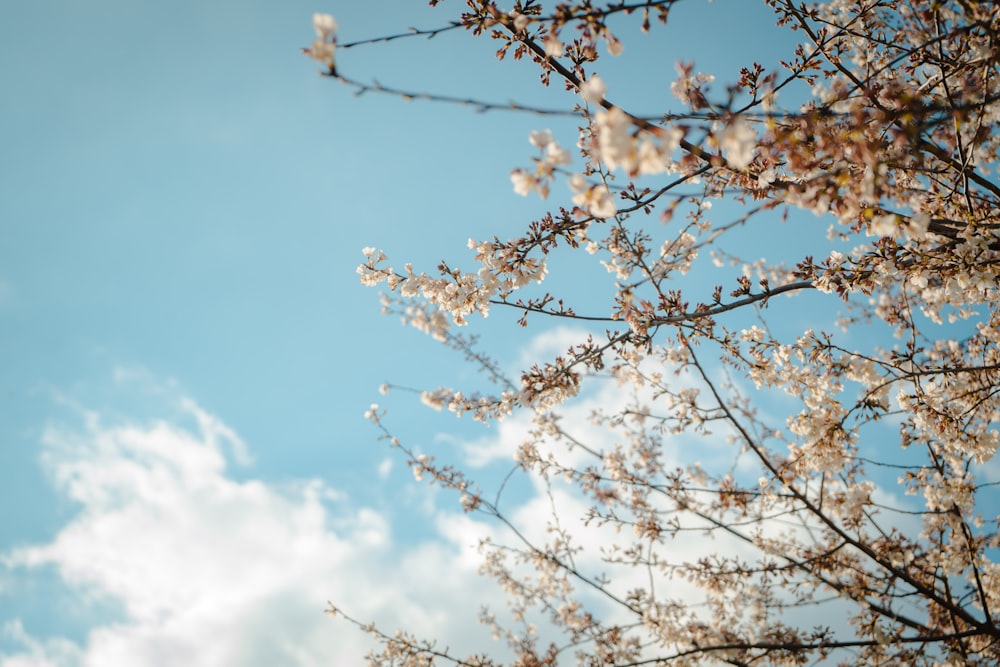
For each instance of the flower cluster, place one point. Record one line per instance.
(552, 156)
(324, 45)
(827, 412)
(455, 293)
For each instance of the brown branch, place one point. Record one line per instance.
(985, 626)
(412, 32)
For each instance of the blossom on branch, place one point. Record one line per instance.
(324, 46)
(553, 156)
(596, 200)
(839, 448)
(738, 140)
(593, 89)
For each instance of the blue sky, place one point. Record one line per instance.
(185, 351)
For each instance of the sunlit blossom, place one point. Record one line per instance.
(524, 183)
(593, 89)
(597, 201)
(738, 140)
(326, 26)
(324, 46)
(836, 447)
(553, 47)
(540, 138)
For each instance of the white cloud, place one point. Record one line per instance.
(384, 468)
(212, 571)
(549, 343)
(37, 653)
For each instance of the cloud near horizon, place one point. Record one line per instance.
(207, 570)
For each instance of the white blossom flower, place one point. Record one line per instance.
(688, 88)
(597, 201)
(556, 154)
(326, 26)
(577, 182)
(917, 229)
(321, 51)
(884, 225)
(650, 158)
(553, 47)
(671, 139)
(520, 20)
(593, 89)
(324, 46)
(614, 139)
(738, 140)
(433, 399)
(540, 138)
(766, 177)
(524, 183)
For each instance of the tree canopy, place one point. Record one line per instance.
(858, 526)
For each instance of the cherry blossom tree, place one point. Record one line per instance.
(859, 525)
